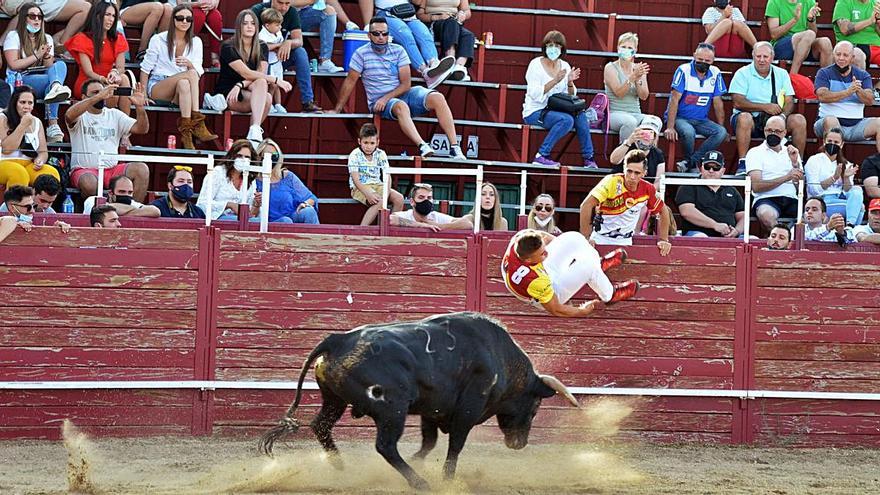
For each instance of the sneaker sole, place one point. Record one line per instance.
(428, 154)
(456, 75)
(444, 66)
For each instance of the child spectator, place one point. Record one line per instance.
(365, 164)
(270, 34)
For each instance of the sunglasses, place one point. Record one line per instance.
(183, 168)
(379, 33)
(712, 168)
(35, 17)
(547, 208)
(29, 207)
(180, 18)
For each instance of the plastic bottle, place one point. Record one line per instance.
(67, 206)
(18, 79)
(319, 5)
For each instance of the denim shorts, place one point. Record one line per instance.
(152, 81)
(416, 99)
(853, 133)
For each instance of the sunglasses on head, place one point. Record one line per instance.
(547, 208)
(181, 18)
(35, 17)
(379, 33)
(183, 168)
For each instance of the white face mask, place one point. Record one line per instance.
(240, 164)
(544, 222)
(553, 52)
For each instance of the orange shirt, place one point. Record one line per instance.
(529, 283)
(82, 43)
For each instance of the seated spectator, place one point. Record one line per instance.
(491, 216)
(759, 91)
(726, 29)
(855, 21)
(422, 214)
(819, 227)
(46, 191)
(871, 231)
(711, 211)
(170, 71)
(780, 237)
(206, 13)
(120, 197)
(221, 188)
(320, 17)
(291, 53)
(290, 201)
(151, 15)
(412, 35)
(870, 173)
(541, 215)
(365, 166)
(100, 53)
(793, 32)
(611, 212)
(19, 201)
(104, 217)
(830, 177)
(72, 14)
(446, 20)
(775, 169)
(23, 142)
(95, 129)
(695, 85)
(180, 190)
(546, 76)
(244, 79)
(843, 91)
(626, 82)
(270, 34)
(33, 63)
(385, 70)
(644, 138)
(342, 16)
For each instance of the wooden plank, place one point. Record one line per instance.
(661, 274)
(613, 346)
(77, 373)
(828, 370)
(109, 398)
(812, 441)
(632, 309)
(65, 297)
(820, 425)
(822, 384)
(97, 337)
(344, 262)
(104, 431)
(825, 296)
(330, 321)
(282, 318)
(817, 313)
(117, 415)
(99, 257)
(98, 317)
(241, 283)
(680, 255)
(128, 238)
(129, 278)
(817, 279)
(335, 301)
(768, 407)
(610, 325)
(364, 245)
(674, 293)
(797, 332)
(843, 261)
(86, 357)
(808, 351)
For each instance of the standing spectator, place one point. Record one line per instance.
(320, 16)
(541, 215)
(491, 216)
(291, 52)
(180, 190)
(171, 71)
(446, 20)
(120, 195)
(856, 21)
(105, 217)
(793, 30)
(694, 86)
(290, 201)
(244, 79)
(207, 13)
(775, 168)
(95, 129)
(843, 91)
(23, 142)
(644, 138)
(410, 33)
(73, 14)
(151, 15)
(422, 214)
(270, 34)
(711, 211)
(830, 177)
(726, 29)
(546, 76)
(819, 227)
(870, 175)
(365, 166)
(871, 231)
(19, 201)
(100, 53)
(390, 93)
(221, 189)
(759, 91)
(626, 82)
(33, 62)
(779, 238)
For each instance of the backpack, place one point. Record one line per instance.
(600, 117)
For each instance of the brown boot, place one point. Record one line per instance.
(200, 130)
(185, 127)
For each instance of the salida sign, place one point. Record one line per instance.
(440, 143)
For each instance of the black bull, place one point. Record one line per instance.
(455, 371)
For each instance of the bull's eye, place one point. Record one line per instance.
(375, 392)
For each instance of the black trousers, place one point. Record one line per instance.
(450, 33)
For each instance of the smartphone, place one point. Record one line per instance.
(122, 92)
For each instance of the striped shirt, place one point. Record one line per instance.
(379, 72)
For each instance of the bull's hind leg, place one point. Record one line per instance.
(429, 438)
(388, 432)
(332, 408)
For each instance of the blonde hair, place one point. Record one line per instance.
(497, 217)
(623, 38)
(271, 16)
(261, 148)
(551, 225)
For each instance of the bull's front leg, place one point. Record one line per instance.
(429, 437)
(388, 433)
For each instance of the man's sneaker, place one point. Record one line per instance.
(440, 67)
(741, 167)
(54, 134)
(433, 82)
(614, 258)
(277, 108)
(682, 166)
(255, 134)
(543, 160)
(57, 93)
(312, 107)
(458, 73)
(214, 102)
(590, 163)
(624, 291)
(328, 66)
(426, 150)
(457, 153)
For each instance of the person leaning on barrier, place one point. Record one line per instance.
(793, 32)
(491, 217)
(779, 238)
(104, 217)
(711, 211)
(422, 214)
(820, 227)
(177, 203)
(775, 169)
(120, 196)
(19, 201)
(830, 176)
(46, 189)
(871, 231)
(541, 215)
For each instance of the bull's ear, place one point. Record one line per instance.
(542, 390)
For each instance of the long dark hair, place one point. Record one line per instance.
(12, 116)
(230, 157)
(172, 30)
(28, 47)
(95, 25)
(250, 54)
(841, 160)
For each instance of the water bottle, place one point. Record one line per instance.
(67, 206)
(319, 5)
(18, 79)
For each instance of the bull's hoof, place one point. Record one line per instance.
(336, 462)
(419, 483)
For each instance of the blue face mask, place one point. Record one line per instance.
(553, 52)
(626, 53)
(182, 192)
(379, 48)
(31, 29)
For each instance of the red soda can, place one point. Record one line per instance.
(172, 141)
(228, 144)
(488, 39)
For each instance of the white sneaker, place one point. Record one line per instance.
(255, 134)
(433, 82)
(329, 67)
(277, 108)
(440, 67)
(351, 26)
(459, 73)
(214, 102)
(426, 150)
(54, 134)
(57, 93)
(457, 153)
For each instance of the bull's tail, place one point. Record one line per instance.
(288, 423)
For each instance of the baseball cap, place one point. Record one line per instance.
(713, 157)
(651, 122)
(874, 204)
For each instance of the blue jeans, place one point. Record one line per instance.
(299, 60)
(558, 124)
(854, 204)
(414, 37)
(305, 215)
(41, 82)
(310, 18)
(687, 132)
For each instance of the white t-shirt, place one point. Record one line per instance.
(94, 133)
(713, 15)
(434, 216)
(275, 68)
(89, 203)
(772, 165)
(13, 42)
(536, 78)
(818, 168)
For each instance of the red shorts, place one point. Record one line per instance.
(109, 173)
(730, 46)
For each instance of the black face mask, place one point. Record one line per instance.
(123, 200)
(842, 70)
(832, 149)
(425, 207)
(702, 67)
(99, 105)
(773, 140)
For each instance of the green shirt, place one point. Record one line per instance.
(855, 11)
(784, 11)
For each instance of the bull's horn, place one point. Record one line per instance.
(556, 385)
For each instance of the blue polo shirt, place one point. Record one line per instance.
(696, 92)
(849, 110)
(757, 89)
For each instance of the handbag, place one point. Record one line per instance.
(565, 103)
(402, 11)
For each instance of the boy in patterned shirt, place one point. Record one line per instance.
(365, 165)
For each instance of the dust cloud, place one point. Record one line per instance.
(79, 459)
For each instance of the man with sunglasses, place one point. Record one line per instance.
(19, 201)
(180, 190)
(775, 169)
(422, 214)
(385, 68)
(711, 211)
